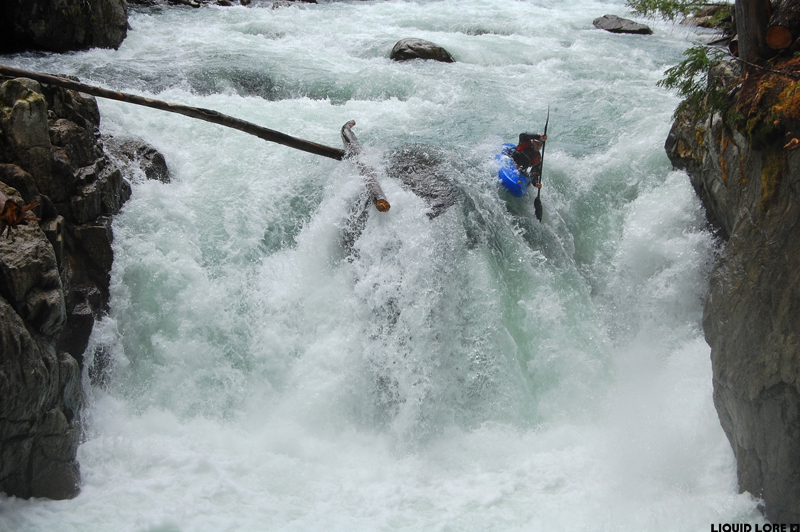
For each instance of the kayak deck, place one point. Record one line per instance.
(510, 177)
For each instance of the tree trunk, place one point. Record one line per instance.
(752, 18)
(784, 27)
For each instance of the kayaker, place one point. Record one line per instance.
(528, 156)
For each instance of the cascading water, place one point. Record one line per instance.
(474, 371)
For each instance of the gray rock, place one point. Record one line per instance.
(751, 309)
(138, 157)
(615, 24)
(422, 169)
(407, 49)
(30, 281)
(39, 429)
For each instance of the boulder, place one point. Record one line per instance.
(40, 387)
(407, 49)
(422, 169)
(138, 158)
(615, 24)
(61, 25)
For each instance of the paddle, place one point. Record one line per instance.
(537, 203)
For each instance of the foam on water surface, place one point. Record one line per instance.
(477, 371)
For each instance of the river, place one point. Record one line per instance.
(478, 371)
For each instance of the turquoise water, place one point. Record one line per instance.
(478, 371)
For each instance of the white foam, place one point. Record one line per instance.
(479, 371)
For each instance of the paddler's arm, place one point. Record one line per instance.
(535, 170)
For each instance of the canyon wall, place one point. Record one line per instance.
(753, 303)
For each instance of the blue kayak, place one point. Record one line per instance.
(512, 179)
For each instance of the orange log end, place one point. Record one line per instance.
(382, 205)
(778, 37)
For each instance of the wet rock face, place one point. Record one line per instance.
(40, 388)
(751, 309)
(138, 156)
(51, 153)
(61, 25)
(54, 278)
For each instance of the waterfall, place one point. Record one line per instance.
(476, 370)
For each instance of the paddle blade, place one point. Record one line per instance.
(537, 206)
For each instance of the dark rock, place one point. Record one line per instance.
(72, 105)
(30, 281)
(82, 306)
(61, 26)
(54, 278)
(100, 191)
(615, 24)
(95, 238)
(751, 309)
(135, 154)
(190, 3)
(14, 176)
(422, 170)
(38, 424)
(78, 143)
(53, 228)
(407, 49)
(23, 124)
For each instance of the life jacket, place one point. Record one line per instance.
(526, 155)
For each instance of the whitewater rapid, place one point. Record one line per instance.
(475, 371)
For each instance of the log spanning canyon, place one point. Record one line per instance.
(214, 117)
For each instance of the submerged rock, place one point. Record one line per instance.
(407, 49)
(421, 169)
(615, 24)
(136, 154)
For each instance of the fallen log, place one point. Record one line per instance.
(733, 46)
(194, 112)
(784, 26)
(352, 151)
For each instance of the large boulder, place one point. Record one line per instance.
(407, 49)
(61, 25)
(616, 24)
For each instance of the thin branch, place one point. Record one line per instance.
(791, 75)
